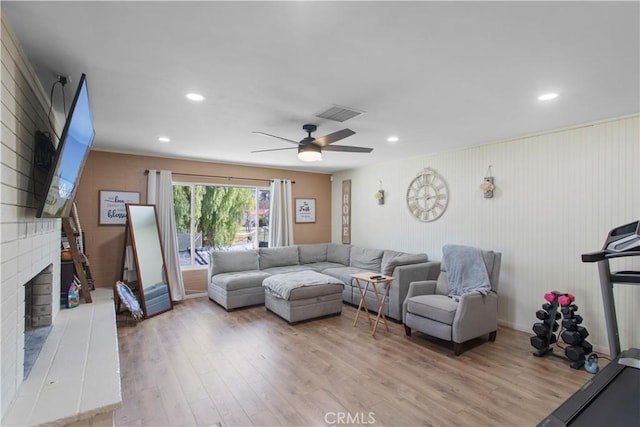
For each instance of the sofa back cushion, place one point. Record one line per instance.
(308, 254)
(338, 253)
(278, 257)
(367, 259)
(229, 261)
(393, 259)
(386, 258)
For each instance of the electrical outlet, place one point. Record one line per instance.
(63, 79)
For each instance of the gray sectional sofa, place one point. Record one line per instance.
(235, 277)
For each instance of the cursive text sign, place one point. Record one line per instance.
(113, 208)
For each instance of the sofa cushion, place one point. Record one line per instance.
(343, 273)
(312, 253)
(278, 257)
(239, 280)
(403, 259)
(286, 269)
(338, 253)
(320, 266)
(440, 308)
(366, 259)
(228, 261)
(387, 256)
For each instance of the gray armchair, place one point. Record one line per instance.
(428, 309)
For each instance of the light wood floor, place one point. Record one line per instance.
(201, 366)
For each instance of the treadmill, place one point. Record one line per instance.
(612, 396)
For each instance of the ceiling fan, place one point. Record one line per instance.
(310, 148)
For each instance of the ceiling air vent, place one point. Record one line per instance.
(339, 114)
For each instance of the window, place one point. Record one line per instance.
(219, 217)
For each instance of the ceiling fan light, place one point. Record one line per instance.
(309, 153)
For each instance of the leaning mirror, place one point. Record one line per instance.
(155, 292)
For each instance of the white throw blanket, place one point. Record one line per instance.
(466, 271)
(281, 285)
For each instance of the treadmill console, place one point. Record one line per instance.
(624, 238)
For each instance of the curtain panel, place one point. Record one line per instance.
(160, 193)
(281, 213)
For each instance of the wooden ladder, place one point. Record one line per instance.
(78, 260)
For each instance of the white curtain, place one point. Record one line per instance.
(160, 193)
(280, 213)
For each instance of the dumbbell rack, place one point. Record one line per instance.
(559, 305)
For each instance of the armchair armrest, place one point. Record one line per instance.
(404, 275)
(476, 315)
(423, 287)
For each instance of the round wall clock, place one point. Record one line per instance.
(427, 196)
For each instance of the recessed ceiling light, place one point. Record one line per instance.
(195, 97)
(164, 139)
(547, 96)
(393, 139)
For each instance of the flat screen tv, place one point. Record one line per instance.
(71, 154)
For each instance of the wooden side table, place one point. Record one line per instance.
(367, 278)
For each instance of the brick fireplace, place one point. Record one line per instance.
(38, 300)
(38, 310)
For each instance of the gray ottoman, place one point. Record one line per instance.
(303, 295)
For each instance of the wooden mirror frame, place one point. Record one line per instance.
(130, 234)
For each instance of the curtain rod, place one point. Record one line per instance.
(146, 172)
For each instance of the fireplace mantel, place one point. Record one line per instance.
(76, 379)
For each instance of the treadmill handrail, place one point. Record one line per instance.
(602, 255)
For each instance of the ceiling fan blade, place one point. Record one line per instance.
(274, 136)
(274, 149)
(333, 137)
(347, 149)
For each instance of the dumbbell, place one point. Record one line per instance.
(575, 337)
(546, 306)
(571, 323)
(566, 299)
(541, 329)
(540, 342)
(542, 314)
(569, 310)
(587, 347)
(574, 353)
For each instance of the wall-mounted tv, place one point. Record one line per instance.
(71, 154)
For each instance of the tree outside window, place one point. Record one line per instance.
(218, 217)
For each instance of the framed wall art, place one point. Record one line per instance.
(305, 210)
(113, 209)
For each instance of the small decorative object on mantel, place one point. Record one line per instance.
(379, 195)
(488, 186)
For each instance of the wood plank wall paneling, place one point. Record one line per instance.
(558, 195)
(114, 171)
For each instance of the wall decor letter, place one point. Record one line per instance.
(346, 212)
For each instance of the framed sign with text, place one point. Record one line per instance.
(305, 210)
(113, 209)
(346, 212)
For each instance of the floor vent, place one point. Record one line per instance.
(339, 114)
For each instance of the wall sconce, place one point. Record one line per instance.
(379, 195)
(488, 186)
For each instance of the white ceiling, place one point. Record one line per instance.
(439, 75)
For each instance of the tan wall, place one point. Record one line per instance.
(113, 171)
